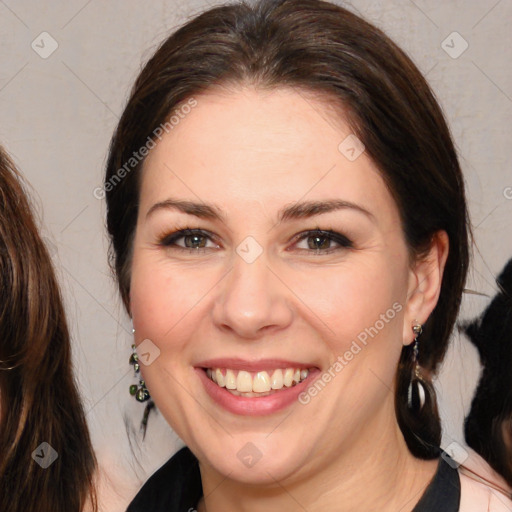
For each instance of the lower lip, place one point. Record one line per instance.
(256, 406)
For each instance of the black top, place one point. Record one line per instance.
(176, 487)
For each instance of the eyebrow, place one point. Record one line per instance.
(300, 210)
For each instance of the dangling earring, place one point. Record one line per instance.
(140, 391)
(416, 390)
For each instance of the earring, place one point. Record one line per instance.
(140, 391)
(416, 390)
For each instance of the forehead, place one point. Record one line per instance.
(258, 146)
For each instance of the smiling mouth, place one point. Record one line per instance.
(256, 384)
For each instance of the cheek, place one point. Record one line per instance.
(352, 298)
(148, 298)
(159, 296)
(167, 300)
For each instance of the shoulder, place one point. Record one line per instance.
(477, 495)
(482, 489)
(176, 484)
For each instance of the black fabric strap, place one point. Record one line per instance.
(443, 492)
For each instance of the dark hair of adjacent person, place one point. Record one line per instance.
(320, 48)
(488, 426)
(38, 397)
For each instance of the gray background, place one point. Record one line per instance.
(57, 115)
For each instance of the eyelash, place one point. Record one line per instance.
(169, 240)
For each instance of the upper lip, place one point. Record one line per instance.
(234, 363)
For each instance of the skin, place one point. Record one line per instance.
(251, 153)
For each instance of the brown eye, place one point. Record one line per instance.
(320, 241)
(193, 240)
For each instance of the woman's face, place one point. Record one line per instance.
(252, 296)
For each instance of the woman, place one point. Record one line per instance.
(46, 462)
(292, 246)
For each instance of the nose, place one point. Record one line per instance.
(253, 300)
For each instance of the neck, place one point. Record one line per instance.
(372, 471)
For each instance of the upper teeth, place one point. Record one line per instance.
(259, 382)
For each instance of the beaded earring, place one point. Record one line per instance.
(140, 392)
(416, 390)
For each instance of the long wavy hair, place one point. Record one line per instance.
(316, 46)
(39, 400)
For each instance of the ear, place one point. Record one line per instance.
(425, 278)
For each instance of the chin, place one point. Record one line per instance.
(255, 459)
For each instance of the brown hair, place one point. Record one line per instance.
(320, 47)
(38, 397)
